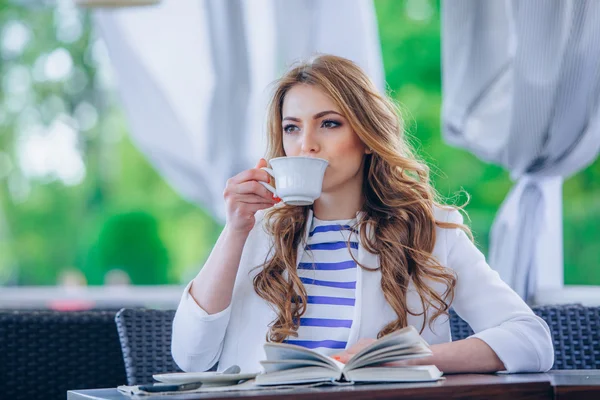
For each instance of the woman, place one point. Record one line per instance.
(375, 253)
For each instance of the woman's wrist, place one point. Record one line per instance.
(231, 233)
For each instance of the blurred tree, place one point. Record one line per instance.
(130, 242)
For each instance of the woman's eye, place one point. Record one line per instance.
(290, 128)
(328, 124)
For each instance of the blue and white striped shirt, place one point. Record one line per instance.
(328, 273)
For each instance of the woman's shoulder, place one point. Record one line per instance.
(447, 214)
(448, 220)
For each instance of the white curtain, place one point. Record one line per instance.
(193, 76)
(521, 88)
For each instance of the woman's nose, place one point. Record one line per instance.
(310, 143)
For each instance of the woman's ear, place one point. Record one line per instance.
(368, 150)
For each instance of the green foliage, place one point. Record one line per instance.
(130, 242)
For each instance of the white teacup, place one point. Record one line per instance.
(299, 180)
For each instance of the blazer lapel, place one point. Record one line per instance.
(302, 244)
(372, 311)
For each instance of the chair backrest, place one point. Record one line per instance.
(575, 333)
(45, 353)
(145, 337)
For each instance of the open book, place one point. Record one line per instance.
(290, 364)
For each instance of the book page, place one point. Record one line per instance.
(403, 339)
(392, 353)
(271, 366)
(420, 373)
(366, 363)
(299, 375)
(284, 351)
(397, 349)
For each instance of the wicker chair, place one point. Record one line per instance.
(575, 333)
(45, 353)
(145, 337)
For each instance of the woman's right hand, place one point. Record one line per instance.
(244, 196)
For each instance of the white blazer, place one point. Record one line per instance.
(495, 312)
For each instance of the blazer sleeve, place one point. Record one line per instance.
(198, 337)
(497, 314)
(197, 340)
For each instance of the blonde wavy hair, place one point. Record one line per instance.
(398, 207)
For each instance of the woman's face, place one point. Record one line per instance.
(312, 126)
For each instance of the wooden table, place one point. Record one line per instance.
(576, 384)
(560, 385)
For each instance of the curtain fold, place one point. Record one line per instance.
(521, 88)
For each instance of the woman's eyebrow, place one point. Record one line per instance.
(323, 113)
(316, 116)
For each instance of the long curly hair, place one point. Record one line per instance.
(398, 208)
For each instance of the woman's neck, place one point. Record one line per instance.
(342, 203)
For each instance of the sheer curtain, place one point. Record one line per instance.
(194, 75)
(521, 88)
